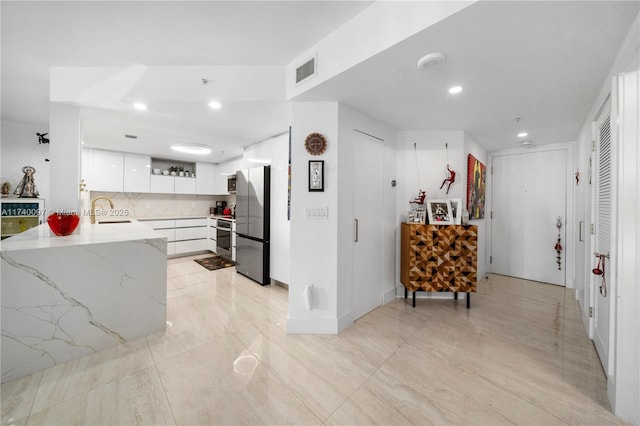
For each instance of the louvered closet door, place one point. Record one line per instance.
(603, 235)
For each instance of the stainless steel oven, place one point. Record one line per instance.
(223, 237)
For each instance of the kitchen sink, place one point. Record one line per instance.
(104, 222)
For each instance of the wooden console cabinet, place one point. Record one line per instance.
(439, 258)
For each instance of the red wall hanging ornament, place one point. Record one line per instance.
(452, 175)
(420, 198)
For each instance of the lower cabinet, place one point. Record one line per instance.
(183, 235)
(439, 258)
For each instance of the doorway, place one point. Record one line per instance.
(367, 223)
(529, 214)
(602, 194)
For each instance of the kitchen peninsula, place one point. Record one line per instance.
(66, 297)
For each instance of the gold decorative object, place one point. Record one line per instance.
(315, 144)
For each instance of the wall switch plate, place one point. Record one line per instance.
(316, 212)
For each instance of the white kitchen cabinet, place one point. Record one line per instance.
(137, 172)
(190, 246)
(223, 170)
(233, 241)
(213, 243)
(86, 169)
(160, 184)
(184, 185)
(108, 171)
(183, 235)
(195, 233)
(205, 178)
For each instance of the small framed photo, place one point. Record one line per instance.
(456, 206)
(316, 175)
(417, 216)
(439, 212)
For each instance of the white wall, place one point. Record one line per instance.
(425, 167)
(321, 249)
(626, 386)
(276, 152)
(19, 148)
(314, 243)
(65, 151)
(623, 386)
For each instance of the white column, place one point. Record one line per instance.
(64, 153)
(624, 389)
(314, 241)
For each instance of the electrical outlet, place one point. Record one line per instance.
(316, 212)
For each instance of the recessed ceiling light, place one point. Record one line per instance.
(455, 89)
(215, 105)
(196, 149)
(139, 106)
(432, 60)
(523, 134)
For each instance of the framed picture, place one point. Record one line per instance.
(417, 216)
(476, 185)
(456, 210)
(439, 212)
(316, 175)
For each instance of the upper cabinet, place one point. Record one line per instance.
(111, 171)
(107, 171)
(137, 169)
(184, 185)
(223, 171)
(205, 178)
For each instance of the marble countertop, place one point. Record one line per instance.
(86, 233)
(150, 218)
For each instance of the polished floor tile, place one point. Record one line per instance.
(520, 355)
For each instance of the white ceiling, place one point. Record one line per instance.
(542, 61)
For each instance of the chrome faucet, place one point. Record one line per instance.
(93, 206)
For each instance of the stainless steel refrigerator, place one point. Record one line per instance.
(253, 190)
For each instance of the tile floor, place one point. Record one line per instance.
(519, 356)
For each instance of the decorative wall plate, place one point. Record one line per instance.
(315, 144)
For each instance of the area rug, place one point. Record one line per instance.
(215, 262)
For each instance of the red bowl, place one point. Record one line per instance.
(63, 223)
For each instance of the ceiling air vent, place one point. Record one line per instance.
(306, 70)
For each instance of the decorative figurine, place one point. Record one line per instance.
(420, 198)
(27, 186)
(451, 178)
(5, 190)
(452, 175)
(41, 138)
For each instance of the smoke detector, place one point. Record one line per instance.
(432, 61)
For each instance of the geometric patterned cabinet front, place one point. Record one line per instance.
(439, 257)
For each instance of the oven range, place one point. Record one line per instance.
(223, 237)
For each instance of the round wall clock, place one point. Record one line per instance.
(315, 144)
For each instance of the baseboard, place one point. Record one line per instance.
(429, 294)
(389, 295)
(318, 325)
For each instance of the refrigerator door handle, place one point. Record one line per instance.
(355, 230)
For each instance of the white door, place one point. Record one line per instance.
(367, 246)
(528, 201)
(602, 239)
